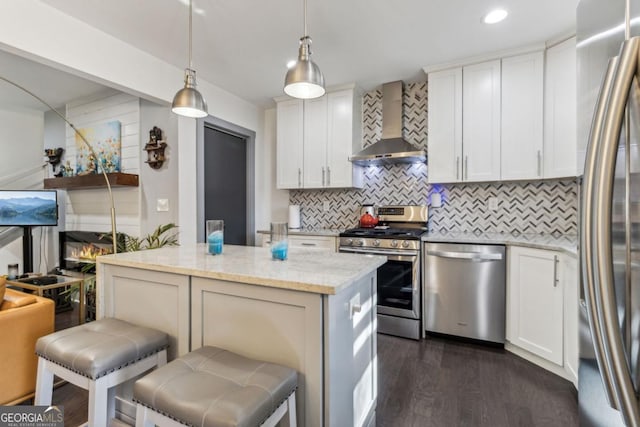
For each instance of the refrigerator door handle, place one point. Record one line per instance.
(602, 214)
(587, 224)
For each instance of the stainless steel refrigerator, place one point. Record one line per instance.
(608, 131)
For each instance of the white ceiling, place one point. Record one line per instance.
(243, 46)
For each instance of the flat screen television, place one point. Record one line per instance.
(28, 208)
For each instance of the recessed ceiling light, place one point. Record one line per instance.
(495, 16)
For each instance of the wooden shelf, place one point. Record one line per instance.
(78, 182)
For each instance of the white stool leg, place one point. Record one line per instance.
(98, 403)
(141, 416)
(111, 403)
(44, 383)
(291, 404)
(162, 358)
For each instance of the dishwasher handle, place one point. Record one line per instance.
(473, 256)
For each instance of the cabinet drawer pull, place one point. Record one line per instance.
(308, 244)
(539, 163)
(466, 168)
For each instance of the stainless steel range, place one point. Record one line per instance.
(398, 237)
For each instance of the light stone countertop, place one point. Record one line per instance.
(564, 243)
(308, 270)
(331, 232)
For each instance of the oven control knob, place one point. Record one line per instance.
(376, 242)
(394, 243)
(405, 244)
(349, 242)
(360, 242)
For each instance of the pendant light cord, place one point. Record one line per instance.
(190, 32)
(305, 19)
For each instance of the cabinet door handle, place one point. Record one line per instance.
(555, 271)
(466, 168)
(458, 167)
(323, 176)
(299, 177)
(539, 163)
(328, 176)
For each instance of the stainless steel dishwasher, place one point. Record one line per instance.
(464, 290)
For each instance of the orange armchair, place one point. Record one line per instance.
(23, 319)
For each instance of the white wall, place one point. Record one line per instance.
(21, 162)
(273, 202)
(39, 32)
(21, 168)
(159, 183)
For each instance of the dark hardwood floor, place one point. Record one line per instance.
(442, 382)
(434, 382)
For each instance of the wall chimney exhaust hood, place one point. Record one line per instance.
(392, 148)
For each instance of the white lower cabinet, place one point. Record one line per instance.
(570, 278)
(328, 243)
(542, 308)
(535, 302)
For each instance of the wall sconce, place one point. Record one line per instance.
(155, 148)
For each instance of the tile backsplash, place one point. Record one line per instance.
(548, 207)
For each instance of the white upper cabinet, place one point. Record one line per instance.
(481, 121)
(445, 125)
(289, 138)
(522, 112)
(464, 124)
(560, 111)
(508, 119)
(315, 140)
(344, 129)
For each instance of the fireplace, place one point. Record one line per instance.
(79, 248)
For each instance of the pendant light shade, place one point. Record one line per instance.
(304, 79)
(188, 101)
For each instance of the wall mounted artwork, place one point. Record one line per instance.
(105, 139)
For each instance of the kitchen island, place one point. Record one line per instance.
(314, 312)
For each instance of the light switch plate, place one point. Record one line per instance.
(162, 205)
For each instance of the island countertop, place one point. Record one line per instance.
(305, 269)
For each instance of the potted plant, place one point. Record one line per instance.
(161, 236)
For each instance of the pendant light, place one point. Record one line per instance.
(188, 101)
(304, 79)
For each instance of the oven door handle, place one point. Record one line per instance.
(474, 256)
(378, 252)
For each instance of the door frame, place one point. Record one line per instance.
(250, 137)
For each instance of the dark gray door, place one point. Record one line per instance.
(225, 183)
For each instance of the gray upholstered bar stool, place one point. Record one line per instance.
(97, 356)
(212, 387)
